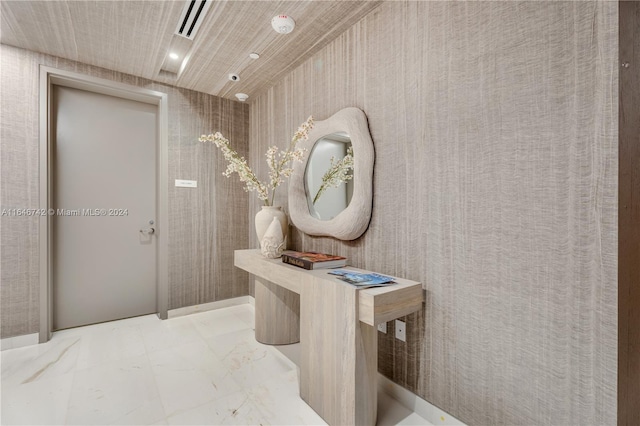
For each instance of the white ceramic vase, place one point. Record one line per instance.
(272, 244)
(264, 218)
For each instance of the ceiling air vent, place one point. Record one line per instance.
(191, 18)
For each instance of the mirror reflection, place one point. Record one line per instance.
(329, 176)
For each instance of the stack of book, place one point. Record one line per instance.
(311, 260)
(363, 280)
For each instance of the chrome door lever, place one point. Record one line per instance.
(148, 231)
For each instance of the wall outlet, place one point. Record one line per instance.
(401, 330)
(382, 328)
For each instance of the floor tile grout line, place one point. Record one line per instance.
(195, 407)
(258, 404)
(155, 381)
(66, 414)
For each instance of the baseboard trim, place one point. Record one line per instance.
(194, 309)
(19, 341)
(33, 339)
(413, 402)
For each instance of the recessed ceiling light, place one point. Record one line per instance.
(254, 55)
(174, 55)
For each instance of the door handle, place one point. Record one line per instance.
(148, 231)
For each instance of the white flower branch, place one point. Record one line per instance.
(278, 162)
(338, 173)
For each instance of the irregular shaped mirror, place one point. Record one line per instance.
(329, 176)
(330, 193)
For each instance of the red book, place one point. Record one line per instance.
(312, 260)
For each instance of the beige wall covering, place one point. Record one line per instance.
(206, 224)
(495, 129)
(84, 31)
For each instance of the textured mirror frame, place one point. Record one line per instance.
(353, 221)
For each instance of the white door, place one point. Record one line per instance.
(104, 194)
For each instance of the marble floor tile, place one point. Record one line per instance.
(41, 402)
(278, 399)
(148, 412)
(40, 362)
(190, 375)
(246, 313)
(169, 333)
(249, 361)
(234, 409)
(237, 310)
(109, 344)
(215, 323)
(204, 368)
(110, 392)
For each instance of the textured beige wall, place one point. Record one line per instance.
(205, 224)
(495, 129)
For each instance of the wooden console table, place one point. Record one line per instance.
(335, 324)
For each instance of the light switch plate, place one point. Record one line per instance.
(382, 328)
(186, 183)
(401, 330)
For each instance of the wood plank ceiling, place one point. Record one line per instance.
(134, 37)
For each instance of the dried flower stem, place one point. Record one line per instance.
(278, 162)
(338, 173)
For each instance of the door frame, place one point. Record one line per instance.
(50, 77)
